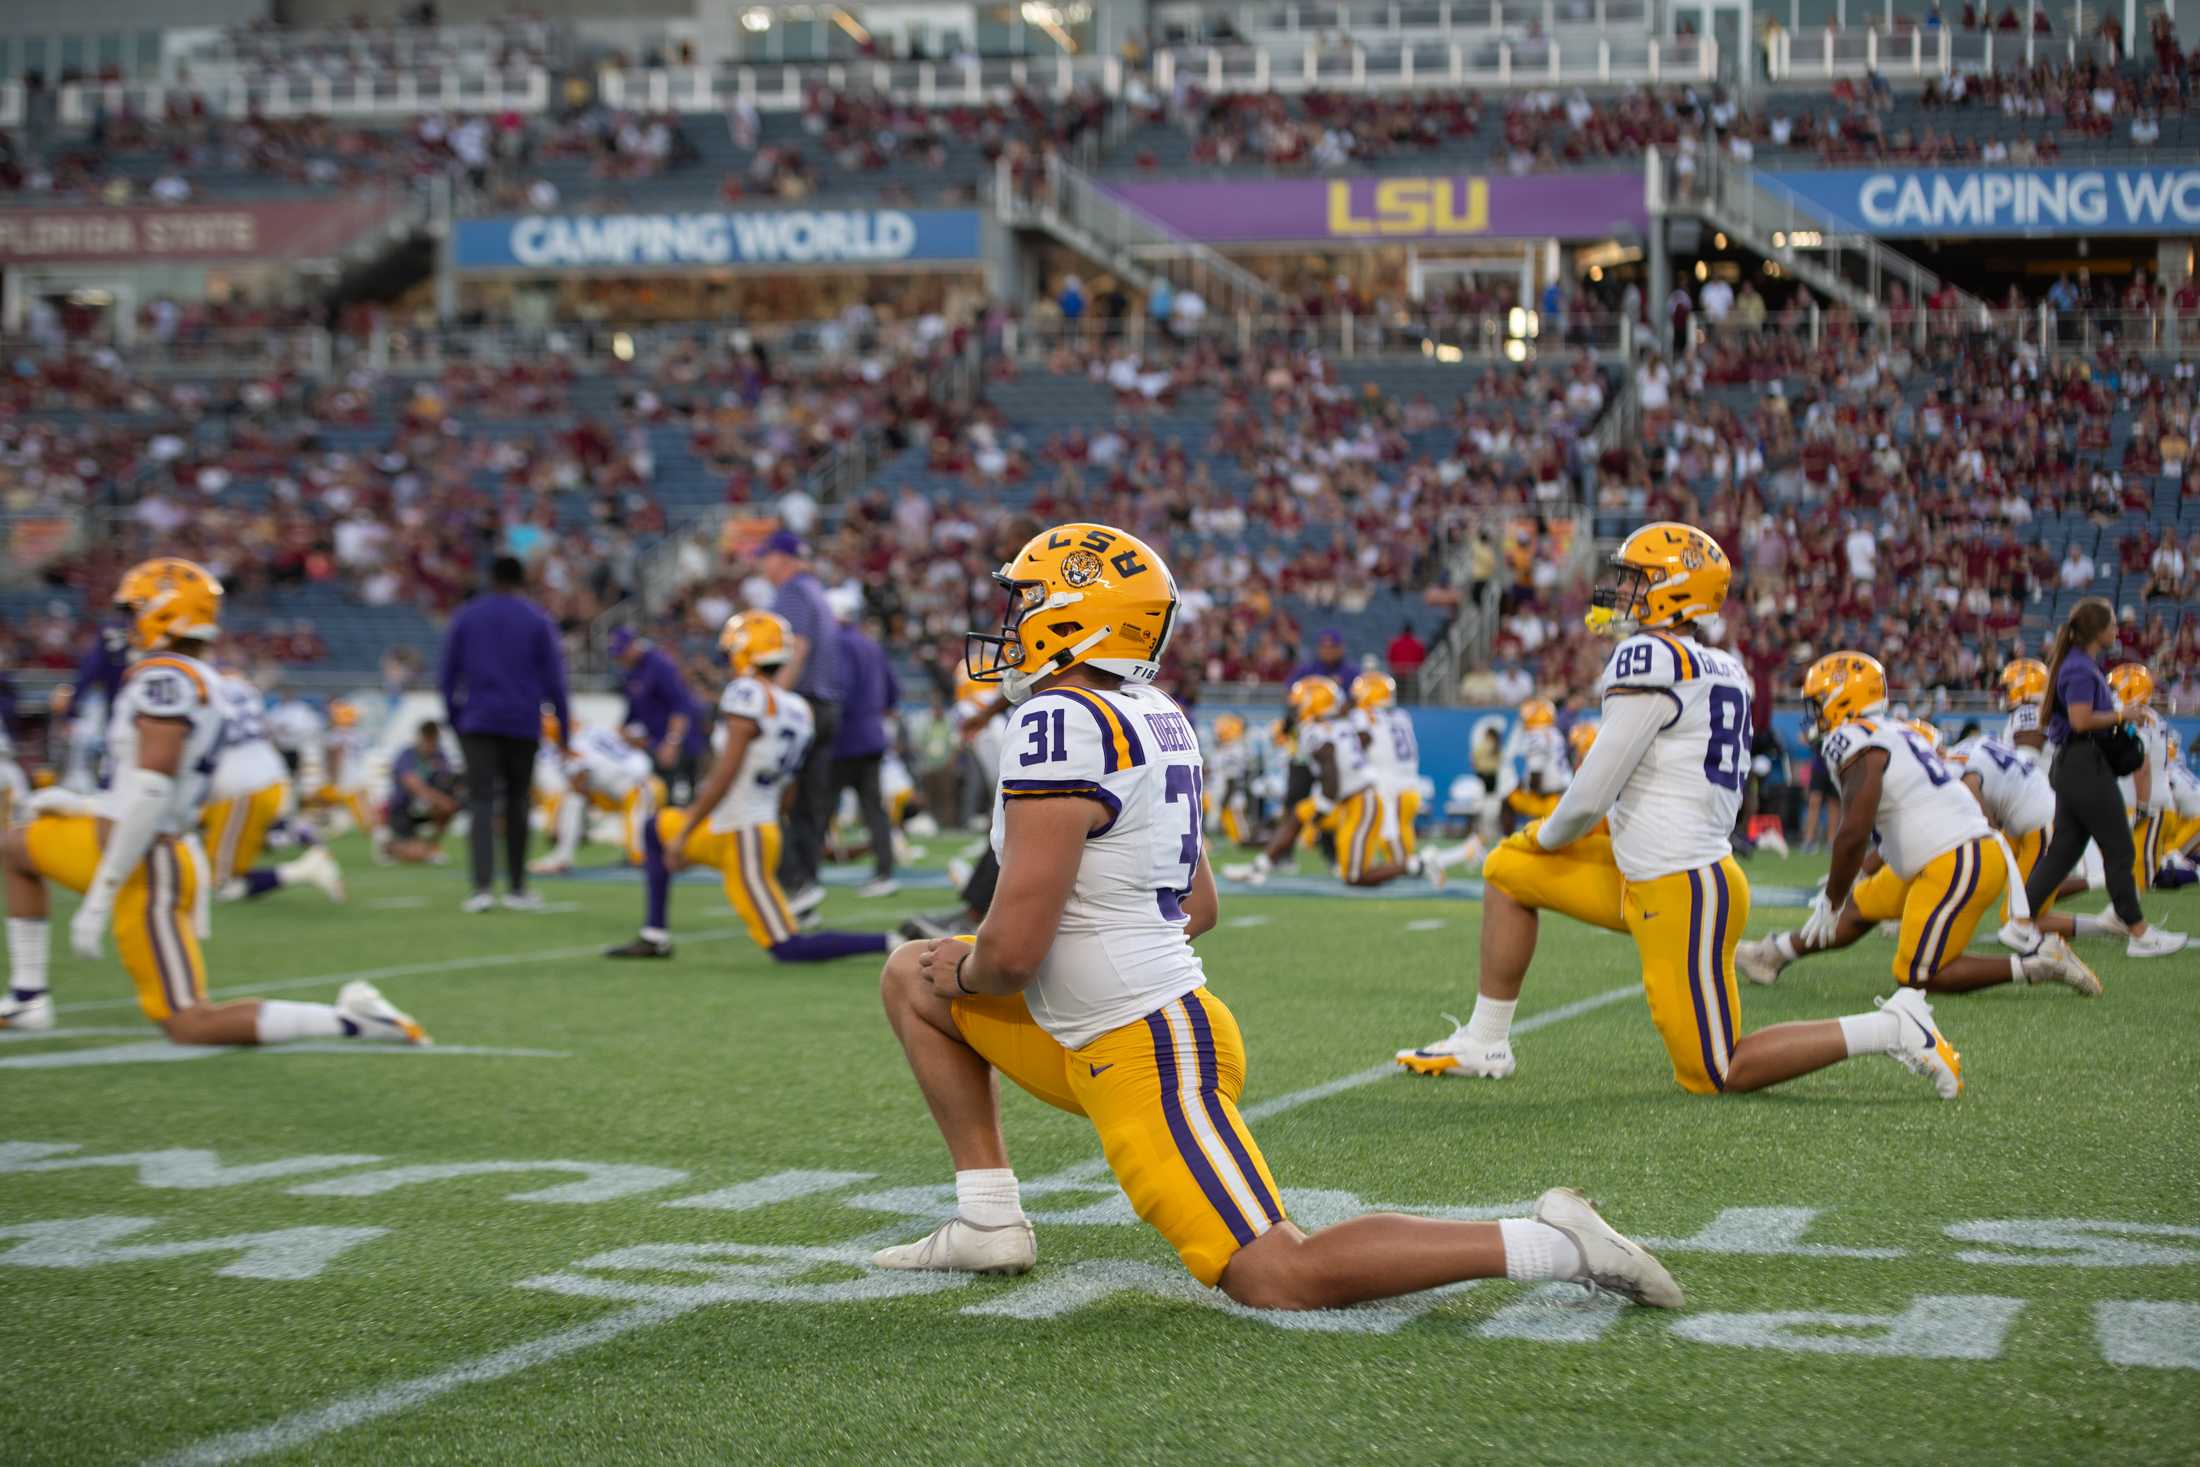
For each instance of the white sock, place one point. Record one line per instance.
(655, 934)
(2091, 926)
(281, 1021)
(572, 818)
(988, 1197)
(2016, 969)
(29, 942)
(1492, 1020)
(1785, 944)
(1536, 1250)
(1876, 1033)
(232, 890)
(1261, 862)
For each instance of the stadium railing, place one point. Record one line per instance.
(1497, 60)
(1915, 54)
(1514, 335)
(395, 96)
(1419, 18)
(971, 81)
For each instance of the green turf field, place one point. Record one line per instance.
(678, 1165)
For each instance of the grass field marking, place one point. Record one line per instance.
(179, 1168)
(162, 1051)
(307, 1426)
(1555, 1314)
(88, 1242)
(762, 1274)
(1764, 1232)
(600, 1181)
(2080, 1240)
(770, 1191)
(1426, 924)
(2146, 1332)
(82, 1031)
(1933, 1327)
(408, 970)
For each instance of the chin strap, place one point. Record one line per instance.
(1019, 687)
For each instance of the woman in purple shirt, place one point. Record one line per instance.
(2089, 804)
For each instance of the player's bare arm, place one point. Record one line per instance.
(1203, 903)
(1860, 780)
(1041, 845)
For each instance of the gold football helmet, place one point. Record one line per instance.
(755, 641)
(1081, 593)
(1661, 576)
(1371, 690)
(1580, 739)
(168, 601)
(1229, 728)
(1840, 688)
(1926, 731)
(2133, 685)
(1313, 699)
(2023, 681)
(1538, 713)
(343, 713)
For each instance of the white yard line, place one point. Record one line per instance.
(300, 1428)
(407, 970)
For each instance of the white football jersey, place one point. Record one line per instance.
(1924, 810)
(1120, 952)
(1393, 753)
(2184, 790)
(985, 744)
(1536, 761)
(784, 728)
(295, 726)
(1677, 810)
(2024, 718)
(170, 686)
(614, 767)
(344, 758)
(248, 762)
(1229, 763)
(2014, 789)
(1354, 773)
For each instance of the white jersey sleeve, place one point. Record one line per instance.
(1676, 812)
(181, 688)
(1393, 753)
(1338, 735)
(1924, 809)
(2023, 719)
(249, 762)
(2154, 739)
(1120, 952)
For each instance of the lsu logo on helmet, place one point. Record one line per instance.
(2023, 681)
(1663, 575)
(1842, 687)
(1080, 593)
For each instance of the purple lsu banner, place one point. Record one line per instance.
(1401, 210)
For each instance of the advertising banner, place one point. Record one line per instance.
(291, 229)
(1403, 210)
(753, 239)
(1962, 202)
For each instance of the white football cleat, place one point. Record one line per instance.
(958, 872)
(806, 901)
(1610, 1260)
(1921, 1048)
(2021, 938)
(2054, 962)
(2112, 923)
(317, 868)
(885, 886)
(1252, 873)
(2156, 942)
(480, 901)
(549, 866)
(956, 1246)
(377, 1018)
(1890, 929)
(35, 1012)
(1460, 1056)
(1760, 960)
(1773, 840)
(522, 901)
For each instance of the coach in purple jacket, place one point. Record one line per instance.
(501, 668)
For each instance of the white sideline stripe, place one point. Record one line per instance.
(305, 1426)
(407, 970)
(302, 1427)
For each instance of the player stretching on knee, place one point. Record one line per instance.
(134, 861)
(1667, 768)
(734, 822)
(1943, 867)
(1082, 985)
(251, 787)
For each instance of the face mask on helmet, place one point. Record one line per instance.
(1002, 658)
(1618, 600)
